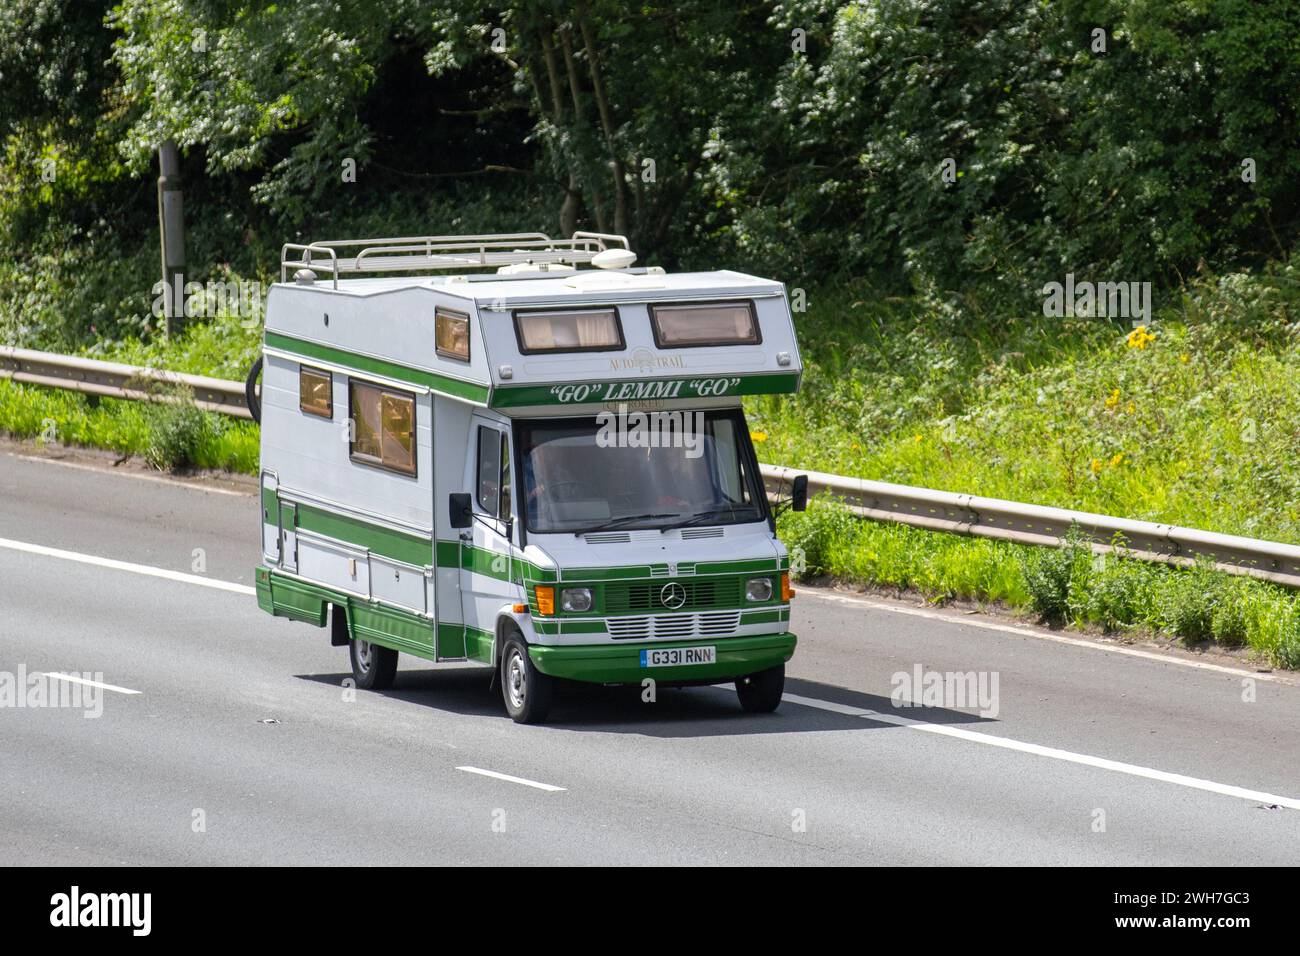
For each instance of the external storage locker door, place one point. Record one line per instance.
(270, 518)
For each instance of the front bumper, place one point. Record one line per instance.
(621, 663)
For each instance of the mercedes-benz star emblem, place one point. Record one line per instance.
(672, 595)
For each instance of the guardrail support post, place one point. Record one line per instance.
(171, 227)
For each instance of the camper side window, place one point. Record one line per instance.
(451, 334)
(383, 427)
(315, 389)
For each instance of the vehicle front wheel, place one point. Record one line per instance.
(373, 666)
(526, 690)
(761, 693)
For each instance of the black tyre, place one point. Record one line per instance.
(252, 395)
(373, 667)
(526, 690)
(761, 693)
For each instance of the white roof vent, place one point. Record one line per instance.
(613, 259)
(521, 267)
(304, 277)
(589, 280)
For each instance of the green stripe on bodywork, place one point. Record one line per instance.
(460, 640)
(379, 623)
(478, 644)
(285, 596)
(262, 579)
(385, 542)
(451, 640)
(468, 557)
(621, 663)
(736, 567)
(400, 630)
(270, 505)
(761, 617)
(375, 366)
(643, 389)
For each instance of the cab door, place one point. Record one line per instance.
(489, 557)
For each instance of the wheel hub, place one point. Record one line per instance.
(515, 680)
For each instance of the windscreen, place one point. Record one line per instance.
(589, 474)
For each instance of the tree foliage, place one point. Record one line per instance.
(959, 147)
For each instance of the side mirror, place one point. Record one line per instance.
(460, 509)
(799, 493)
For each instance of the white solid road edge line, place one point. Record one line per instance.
(125, 566)
(970, 621)
(105, 470)
(509, 779)
(90, 683)
(1087, 760)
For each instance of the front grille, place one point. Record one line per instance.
(669, 626)
(646, 596)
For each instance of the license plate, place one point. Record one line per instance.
(678, 656)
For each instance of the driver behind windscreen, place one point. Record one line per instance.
(543, 470)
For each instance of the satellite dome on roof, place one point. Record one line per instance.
(613, 259)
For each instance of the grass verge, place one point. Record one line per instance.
(171, 437)
(1068, 586)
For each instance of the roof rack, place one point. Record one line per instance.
(420, 254)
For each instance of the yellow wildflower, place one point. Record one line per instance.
(1131, 408)
(1140, 338)
(1184, 358)
(1113, 400)
(1117, 459)
(758, 436)
(1096, 465)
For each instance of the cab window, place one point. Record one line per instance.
(489, 469)
(493, 484)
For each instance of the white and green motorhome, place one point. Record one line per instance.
(463, 465)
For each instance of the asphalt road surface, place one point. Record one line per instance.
(239, 745)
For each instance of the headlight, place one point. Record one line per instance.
(758, 589)
(576, 599)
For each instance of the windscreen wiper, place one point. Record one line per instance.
(625, 519)
(700, 517)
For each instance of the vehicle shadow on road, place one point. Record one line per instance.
(710, 711)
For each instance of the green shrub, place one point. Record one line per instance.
(1119, 593)
(812, 535)
(1189, 600)
(1287, 653)
(179, 431)
(1056, 577)
(1230, 621)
